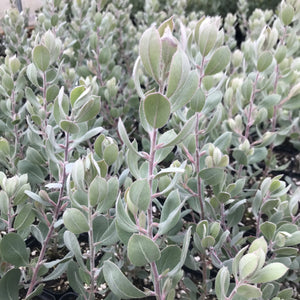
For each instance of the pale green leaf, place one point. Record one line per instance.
(125, 138)
(188, 127)
(72, 244)
(119, 284)
(110, 153)
(287, 14)
(212, 176)
(240, 157)
(31, 73)
(222, 283)
(41, 57)
(69, 126)
(25, 217)
(76, 93)
(111, 196)
(179, 71)
(185, 93)
(9, 285)
(271, 272)
(157, 109)
(236, 261)
(249, 291)
(218, 62)
(184, 251)
(268, 230)
(89, 110)
(141, 250)
(75, 220)
(207, 38)
(123, 219)
(170, 213)
(293, 239)
(97, 191)
(150, 52)
(139, 194)
(167, 23)
(13, 250)
(170, 257)
(136, 78)
(264, 61)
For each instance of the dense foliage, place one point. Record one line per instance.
(150, 154)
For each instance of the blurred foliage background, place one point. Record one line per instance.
(215, 7)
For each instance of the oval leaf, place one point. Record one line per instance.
(139, 194)
(142, 250)
(157, 109)
(248, 265)
(287, 14)
(212, 176)
(170, 213)
(222, 283)
(183, 95)
(218, 61)
(97, 191)
(123, 219)
(269, 273)
(69, 126)
(25, 217)
(249, 291)
(184, 251)
(268, 230)
(264, 61)
(207, 37)
(110, 153)
(41, 57)
(9, 284)
(31, 72)
(13, 250)
(119, 284)
(150, 52)
(170, 257)
(75, 221)
(179, 71)
(89, 110)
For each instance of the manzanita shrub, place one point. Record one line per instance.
(140, 159)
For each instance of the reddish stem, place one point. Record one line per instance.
(57, 210)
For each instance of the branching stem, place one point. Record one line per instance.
(92, 252)
(57, 211)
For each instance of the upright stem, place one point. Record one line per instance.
(199, 193)
(56, 213)
(92, 253)
(260, 214)
(13, 108)
(153, 136)
(274, 119)
(98, 66)
(249, 117)
(10, 218)
(45, 100)
(154, 271)
(199, 190)
(204, 276)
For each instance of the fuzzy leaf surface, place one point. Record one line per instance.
(142, 250)
(119, 284)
